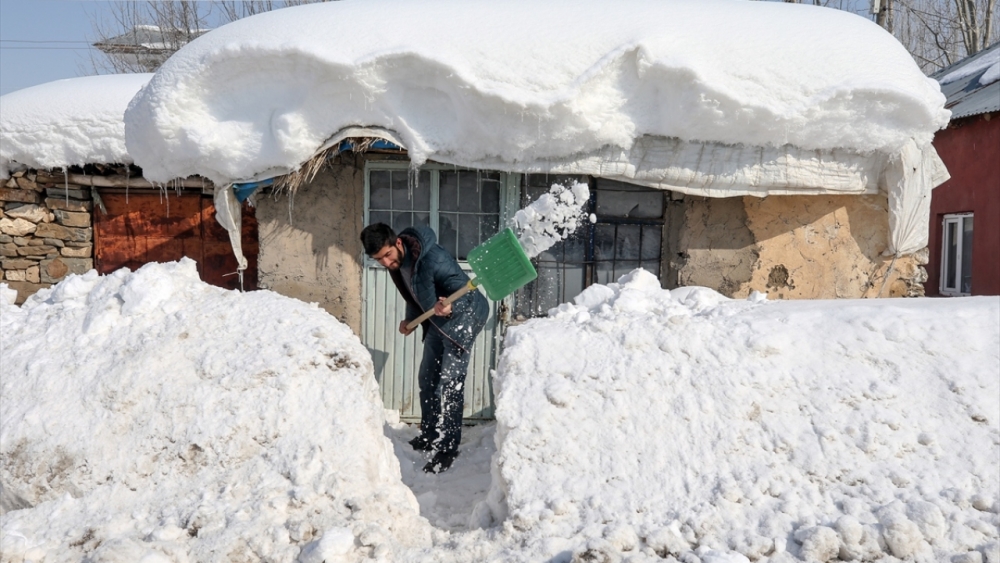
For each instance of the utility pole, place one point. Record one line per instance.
(883, 13)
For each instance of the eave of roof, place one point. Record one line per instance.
(966, 96)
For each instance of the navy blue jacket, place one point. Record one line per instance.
(437, 274)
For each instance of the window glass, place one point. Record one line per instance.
(448, 198)
(627, 239)
(956, 254)
(966, 284)
(448, 232)
(468, 204)
(604, 242)
(469, 194)
(626, 235)
(379, 217)
(651, 238)
(468, 234)
(951, 254)
(490, 192)
(380, 197)
(617, 199)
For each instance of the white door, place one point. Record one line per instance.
(464, 208)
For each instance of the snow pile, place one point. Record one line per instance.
(542, 81)
(67, 122)
(552, 217)
(990, 61)
(150, 417)
(647, 423)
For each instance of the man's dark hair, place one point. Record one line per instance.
(376, 236)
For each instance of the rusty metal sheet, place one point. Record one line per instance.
(143, 227)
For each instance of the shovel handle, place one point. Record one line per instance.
(448, 301)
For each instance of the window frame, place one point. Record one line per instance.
(955, 290)
(509, 193)
(528, 302)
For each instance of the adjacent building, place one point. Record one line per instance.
(965, 210)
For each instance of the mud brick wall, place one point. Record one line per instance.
(793, 247)
(46, 231)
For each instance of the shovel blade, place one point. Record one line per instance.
(501, 265)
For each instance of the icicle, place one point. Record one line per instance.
(66, 183)
(240, 274)
(128, 175)
(412, 178)
(291, 204)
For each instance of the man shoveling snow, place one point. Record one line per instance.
(425, 275)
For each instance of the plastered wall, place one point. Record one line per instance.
(793, 247)
(309, 246)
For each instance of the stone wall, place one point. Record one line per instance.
(45, 231)
(309, 246)
(793, 247)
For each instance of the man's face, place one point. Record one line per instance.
(390, 256)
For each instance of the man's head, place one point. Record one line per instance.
(382, 245)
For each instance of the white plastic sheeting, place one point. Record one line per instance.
(229, 215)
(909, 178)
(718, 170)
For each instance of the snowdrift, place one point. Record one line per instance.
(638, 421)
(148, 416)
(67, 122)
(524, 85)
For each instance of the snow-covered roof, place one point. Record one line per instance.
(68, 122)
(513, 83)
(972, 85)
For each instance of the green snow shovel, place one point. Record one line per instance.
(501, 267)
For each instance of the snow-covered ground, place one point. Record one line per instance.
(147, 416)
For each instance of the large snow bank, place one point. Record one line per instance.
(639, 420)
(147, 416)
(516, 83)
(67, 122)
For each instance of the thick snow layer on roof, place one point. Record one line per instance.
(67, 122)
(989, 61)
(179, 422)
(682, 420)
(518, 82)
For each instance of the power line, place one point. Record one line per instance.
(44, 48)
(39, 41)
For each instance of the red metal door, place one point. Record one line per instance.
(143, 227)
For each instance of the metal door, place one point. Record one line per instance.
(143, 226)
(464, 208)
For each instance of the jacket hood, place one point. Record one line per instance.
(424, 234)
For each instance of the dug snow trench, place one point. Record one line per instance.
(447, 499)
(147, 416)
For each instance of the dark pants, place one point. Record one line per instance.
(442, 391)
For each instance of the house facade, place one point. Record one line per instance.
(965, 211)
(786, 246)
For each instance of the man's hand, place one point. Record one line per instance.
(403, 330)
(442, 310)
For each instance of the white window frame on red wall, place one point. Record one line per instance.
(953, 246)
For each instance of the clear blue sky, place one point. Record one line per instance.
(45, 40)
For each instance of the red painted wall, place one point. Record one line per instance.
(970, 148)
